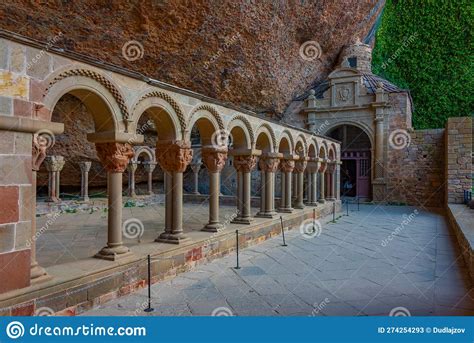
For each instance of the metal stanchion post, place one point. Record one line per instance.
(237, 247)
(149, 308)
(347, 206)
(283, 232)
(358, 208)
(334, 212)
(314, 220)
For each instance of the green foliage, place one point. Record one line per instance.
(426, 47)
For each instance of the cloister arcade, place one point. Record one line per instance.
(117, 101)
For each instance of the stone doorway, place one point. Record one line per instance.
(356, 169)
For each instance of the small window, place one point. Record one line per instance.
(352, 62)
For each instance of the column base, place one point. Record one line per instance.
(269, 215)
(322, 201)
(52, 199)
(286, 210)
(331, 199)
(172, 238)
(39, 274)
(311, 204)
(240, 220)
(300, 206)
(85, 199)
(213, 227)
(113, 254)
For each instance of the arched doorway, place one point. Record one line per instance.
(356, 168)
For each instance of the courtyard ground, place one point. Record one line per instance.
(380, 260)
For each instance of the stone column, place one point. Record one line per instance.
(244, 165)
(54, 164)
(85, 167)
(132, 168)
(338, 180)
(331, 170)
(214, 159)
(174, 157)
(312, 169)
(149, 167)
(38, 156)
(196, 167)
(379, 183)
(268, 165)
(115, 158)
(322, 172)
(300, 166)
(286, 167)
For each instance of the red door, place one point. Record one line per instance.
(356, 172)
(363, 178)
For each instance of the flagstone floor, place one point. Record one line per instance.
(381, 260)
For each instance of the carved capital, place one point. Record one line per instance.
(174, 156)
(245, 163)
(85, 166)
(323, 167)
(313, 166)
(54, 163)
(38, 154)
(300, 166)
(268, 164)
(287, 166)
(114, 156)
(214, 158)
(149, 166)
(132, 167)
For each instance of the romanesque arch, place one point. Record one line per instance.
(241, 132)
(269, 132)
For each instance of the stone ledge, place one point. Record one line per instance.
(460, 218)
(19, 124)
(81, 285)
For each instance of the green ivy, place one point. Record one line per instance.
(426, 47)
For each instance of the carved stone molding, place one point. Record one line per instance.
(100, 79)
(211, 110)
(214, 159)
(269, 164)
(114, 156)
(173, 103)
(149, 166)
(287, 166)
(245, 163)
(247, 125)
(38, 154)
(174, 156)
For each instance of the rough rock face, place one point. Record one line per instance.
(245, 52)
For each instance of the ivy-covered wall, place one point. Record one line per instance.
(426, 46)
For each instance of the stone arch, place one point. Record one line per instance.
(205, 108)
(286, 134)
(239, 136)
(301, 139)
(101, 97)
(366, 129)
(144, 150)
(313, 149)
(323, 150)
(163, 100)
(265, 140)
(209, 127)
(165, 115)
(336, 151)
(265, 127)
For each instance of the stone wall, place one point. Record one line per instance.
(458, 154)
(415, 174)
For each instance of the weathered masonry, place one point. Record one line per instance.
(33, 80)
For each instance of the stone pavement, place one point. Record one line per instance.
(381, 260)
